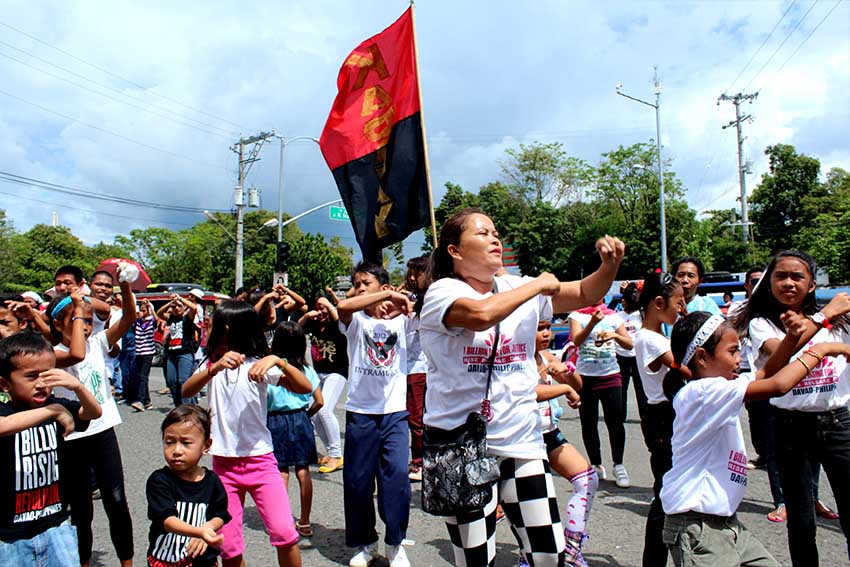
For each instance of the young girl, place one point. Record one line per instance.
(187, 503)
(595, 330)
(661, 301)
(289, 419)
(239, 373)
(708, 479)
(556, 380)
(96, 449)
(812, 422)
(632, 321)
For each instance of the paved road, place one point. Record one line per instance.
(616, 525)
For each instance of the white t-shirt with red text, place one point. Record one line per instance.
(825, 388)
(458, 364)
(709, 473)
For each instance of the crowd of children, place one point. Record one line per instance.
(274, 367)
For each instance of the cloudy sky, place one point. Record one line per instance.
(143, 100)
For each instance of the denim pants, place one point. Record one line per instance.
(804, 438)
(376, 449)
(139, 382)
(697, 540)
(178, 369)
(55, 547)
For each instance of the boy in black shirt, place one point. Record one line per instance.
(187, 503)
(34, 526)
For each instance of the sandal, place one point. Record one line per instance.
(322, 460)
(305, 530)
(825, 511)
(778, 515)
(328, 469)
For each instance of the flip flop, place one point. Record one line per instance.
(304, 529)
(778, 515)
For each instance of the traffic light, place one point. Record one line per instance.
(282, 256)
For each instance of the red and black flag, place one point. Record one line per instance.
(373, 141)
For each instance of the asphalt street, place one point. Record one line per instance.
(616, 524)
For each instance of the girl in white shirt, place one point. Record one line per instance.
(708, 479)
(239, 372)
(812, 422)
(462, 308)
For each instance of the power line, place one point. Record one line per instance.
(56, 187)
(111, 133)
(785, 13)
(78, 85)
(787, 37)
(119, 77)
(811, 33)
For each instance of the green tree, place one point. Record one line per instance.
(545, 172)
(315, 264)
(827, 237)
(43, 249)
(453, 201)
(9, 257)
(776, 203)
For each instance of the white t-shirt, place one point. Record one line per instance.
(92, 372)
(650, 345)
(633, 322)
(596, 360)
(417, 363)
(458, 364)
(709, 473)
(826, 387)
(377, 362)
(238, 406)
(548, 409)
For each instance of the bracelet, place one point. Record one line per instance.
(814, 353)
(78, 317)
(806, 366)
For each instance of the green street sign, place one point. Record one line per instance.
(338, 213)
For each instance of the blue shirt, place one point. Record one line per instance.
(281, 399)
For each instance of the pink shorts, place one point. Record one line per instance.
(259, 477)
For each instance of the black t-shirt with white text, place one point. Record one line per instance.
(181, 334)
(195, 503)
(31, 499)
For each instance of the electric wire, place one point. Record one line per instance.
(111, 133)
(119, 77)
(811, 33)
(78, 85)
(59, 188)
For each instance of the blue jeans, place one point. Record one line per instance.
(178, 369)
(56, 547)
(376, 449)
(127, 363)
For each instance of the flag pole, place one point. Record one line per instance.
(424, 136)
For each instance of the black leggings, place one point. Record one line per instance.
(99, 453)
(657, 427)
(612, 408)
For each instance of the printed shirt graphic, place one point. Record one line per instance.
(826, 387)
(457, 368)
(30, 471)
(377, 349)
(328, 349)
(192, 502)
(633, 323)
(93, 374)
(709, 473)
(597, 359)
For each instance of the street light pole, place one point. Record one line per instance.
(283, 142)
(657, 106)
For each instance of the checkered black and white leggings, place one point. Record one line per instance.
(527, 495)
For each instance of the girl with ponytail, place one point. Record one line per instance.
(708, 478)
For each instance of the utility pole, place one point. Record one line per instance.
(239, 197)
(743, 167)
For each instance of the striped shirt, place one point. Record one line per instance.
(144, 336)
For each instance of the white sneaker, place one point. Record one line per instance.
(365, 556)
(622, 476)
(397, 556)
(600, 472)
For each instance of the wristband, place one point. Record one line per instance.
(814, 353)
(806, 366)
(76, 317)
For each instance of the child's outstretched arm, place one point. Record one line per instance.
(199, 379)
(77, 348)
(202, 536)
(128, 315)
(546, 392)
(291, 378)
(89, 409)
(781, 383)
(22, 420)
(348, 307)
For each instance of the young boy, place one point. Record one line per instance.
(34, 526)
(376, 432)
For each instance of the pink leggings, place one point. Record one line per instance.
(259, 477)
